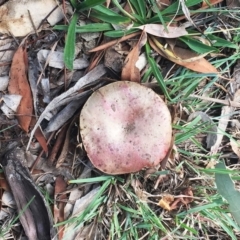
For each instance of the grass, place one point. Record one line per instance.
(208, 217)
(120, 211)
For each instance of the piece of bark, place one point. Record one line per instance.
(33, 211)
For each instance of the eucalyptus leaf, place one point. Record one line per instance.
(226, 188)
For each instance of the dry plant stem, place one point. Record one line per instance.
(47, 61)
(201, 8)
(224, 102)
(112, 43)
(47, 17)
(34, 27)
(143, 237)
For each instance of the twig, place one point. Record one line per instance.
(224, 102)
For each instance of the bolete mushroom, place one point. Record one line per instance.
(125, 127)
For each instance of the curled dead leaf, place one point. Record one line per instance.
(130, 71)
(166, 201)
(18, 84)
(159, 30)
(184, 57)
(183, 200)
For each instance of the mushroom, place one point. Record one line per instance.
(125, 127)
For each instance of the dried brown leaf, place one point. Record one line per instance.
(184, 57)
(159, 30)
(41, 139)
(183, 200)
(166, 201)
(130, 72)
(3, 184)
(18, 84)
(39, 136)
(60, 186)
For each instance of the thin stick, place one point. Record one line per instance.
(224, 102)
(111, 43)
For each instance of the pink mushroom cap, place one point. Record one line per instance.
(125, 127)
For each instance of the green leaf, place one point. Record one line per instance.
(220, 42)
(69, 49)
(173, 8)
(159, 15)
(119, 33)
(118, 5)
(156, 72)
(92, 27)
(140, 20)
(91, 180)
(74, 3)
(107, 11)
(88, 4)
(102, 13)
(197, 46)
(140, 7)
(109, 18)
(226, 188)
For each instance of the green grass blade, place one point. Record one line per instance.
(226, 188)
(220, 42)
(156, 72)
(107, 15)
(122, 10)
(119, 33)
(107, 11)
(69, 49)
(91, 180)
(159, 14)
(174, 7)
(74, 3)
(197, 46)
(92, 27)
(109, 18)
(88, 4)
(98, 199)
(139, 6)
